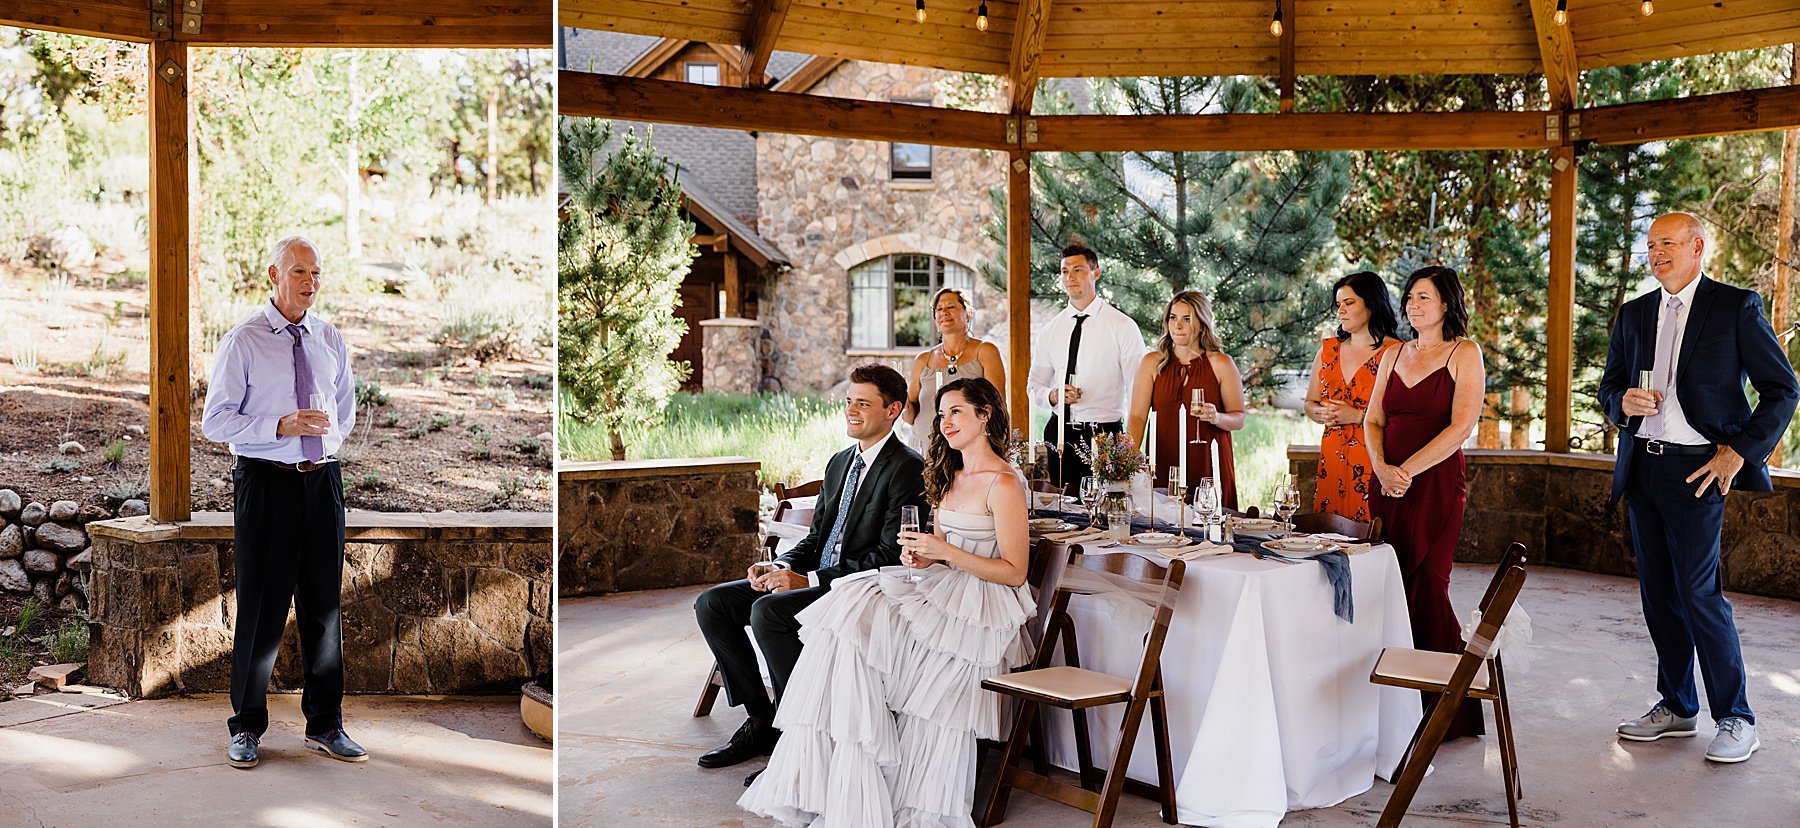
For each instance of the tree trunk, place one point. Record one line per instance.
(353, 165)
(1521, 418)
(493, 159)
(618, 444)
(1487, 435)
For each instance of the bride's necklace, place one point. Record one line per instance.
(957, 357)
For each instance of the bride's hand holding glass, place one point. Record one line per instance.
(919, 550)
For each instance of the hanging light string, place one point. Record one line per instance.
(919, 14)
(980, 16)
(1275, 23)
(1649, 8)
(1562, 12)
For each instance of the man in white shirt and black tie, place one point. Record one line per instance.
(1087, 356)
(282, 395)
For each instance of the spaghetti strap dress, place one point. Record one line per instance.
(1169, 396)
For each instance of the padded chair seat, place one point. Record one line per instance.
(1069, 687)
(1426, 670)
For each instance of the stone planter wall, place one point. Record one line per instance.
(732, 354)
(650, 524)
(45, 551)
(1555, 504)
(432, 604)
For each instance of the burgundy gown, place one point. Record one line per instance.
(1424, 524)
(1169, 397)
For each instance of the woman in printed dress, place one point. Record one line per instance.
(1343, 380)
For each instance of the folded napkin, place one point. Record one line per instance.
(1350, 545)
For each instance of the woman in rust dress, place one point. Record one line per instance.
(1427, 402)
(1343, 380)
(1189, 356)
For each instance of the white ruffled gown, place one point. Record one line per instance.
(881, 715)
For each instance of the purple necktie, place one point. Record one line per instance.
(312, 446)
(1652, 425)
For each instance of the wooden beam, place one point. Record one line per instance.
(170, 401)
(1027, 54)
(1294, 131)
(609, 96)
(115, 19)
(1289, 31)
(1561, 76)
(1018, 289)
(1755, 110)
(505, 24)
(1559, 367)
(759, 38)
(734, 290)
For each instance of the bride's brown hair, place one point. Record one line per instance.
(943, 462)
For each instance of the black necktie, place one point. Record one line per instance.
(1074, 350)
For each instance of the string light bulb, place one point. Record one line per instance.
(1562, 12)
(919, 14)
(1275, 24)
(1649, 8)
(981, 16)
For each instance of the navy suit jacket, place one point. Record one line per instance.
(1727, 339)
(872, 531)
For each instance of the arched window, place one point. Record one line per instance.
(890, 298)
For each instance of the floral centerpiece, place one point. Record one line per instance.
(1114, 459)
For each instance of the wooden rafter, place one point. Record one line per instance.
(508, 24)
(1027, 53)
(759, 38)
(116, 19)
(1561, 75)
(1755, 110)
(1294, 131)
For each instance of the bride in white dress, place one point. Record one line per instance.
(880, 718)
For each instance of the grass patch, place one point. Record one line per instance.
(114, 453)
(69, 644)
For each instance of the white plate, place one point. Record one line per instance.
(1299, 547)
(1255, 526)
(1050, 525)
(1173, 542)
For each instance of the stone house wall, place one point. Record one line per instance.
(432, 604)
(1556, 505)
(828, 204)
(649, 524)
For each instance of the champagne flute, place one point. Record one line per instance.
(1194, 408)
(320, 402)
(1647, 381)
(909, 522)
(1175, 493)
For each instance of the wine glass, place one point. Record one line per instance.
(1194, 409)
(1287, 502)
(1091, 488)
(909, 522)
(1206, 499)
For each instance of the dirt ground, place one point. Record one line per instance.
(454, 434)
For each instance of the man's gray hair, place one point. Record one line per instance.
(278, 253)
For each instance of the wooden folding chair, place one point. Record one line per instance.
(1074, 689)
(1474, 673)
(1313, 523)
(709, 692)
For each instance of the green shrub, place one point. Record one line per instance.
(369, 394)
(69, 644)
(59, 465)
(114, 453)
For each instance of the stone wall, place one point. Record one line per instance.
(45, 551)
(823, 197)
(1556, 505)
(649, 524)
(432, 604)
(733, 356)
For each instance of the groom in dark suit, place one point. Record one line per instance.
(855, 527)
(1690, 436)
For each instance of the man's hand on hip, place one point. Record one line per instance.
(1722, 468)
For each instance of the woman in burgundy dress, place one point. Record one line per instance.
(1189, 357)
(1427, 402)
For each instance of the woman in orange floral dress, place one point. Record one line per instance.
(1343, 378)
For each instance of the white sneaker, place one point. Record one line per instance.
(1735, 741)
(1656, 724)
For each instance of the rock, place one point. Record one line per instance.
(33, 514)
(64, 583)
(41, 561)
(71, 603)
(82, 562)
(13, 577)
(134, 428)
(84, 479)
(23, 690)
(91, 513)
(72, 447)
(53, 676)
(12, 542)
(61, 537)
(41, 589)
(133, 508)
(64, 510)
(9, 503)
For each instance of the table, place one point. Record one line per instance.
(1269, 700)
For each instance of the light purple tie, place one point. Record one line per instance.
(1665, 367)
(312, 446)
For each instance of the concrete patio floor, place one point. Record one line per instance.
(631, 666)
(433, 761)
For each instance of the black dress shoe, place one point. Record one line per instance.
(751, 740)
(752, 777)
(337, 745)
(241, 753)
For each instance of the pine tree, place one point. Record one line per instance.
(623, 249)
(1249, 230)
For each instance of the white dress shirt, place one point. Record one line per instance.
(868, 457)
(1111, 348)
(1675, 425)
(252, 386)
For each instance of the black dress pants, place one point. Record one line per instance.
(289, 540)
(723, 612)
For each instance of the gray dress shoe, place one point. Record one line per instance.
(241, 753)
(1735, 741)
(1656, 724)
(337, 745)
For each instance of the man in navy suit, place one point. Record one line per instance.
(1689, 437)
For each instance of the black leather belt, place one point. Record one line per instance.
(1661, 448)
(302, 466)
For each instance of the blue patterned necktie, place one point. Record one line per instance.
(311, 445)
(828, 557)
(1652, 426)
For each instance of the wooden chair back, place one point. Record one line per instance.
(786, 511)
(1314, 523)
(810, 488)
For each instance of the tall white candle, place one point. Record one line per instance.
(1184, 448)
(1219, 493)
(1150, 443)
(1030, 440)
(1062, 425)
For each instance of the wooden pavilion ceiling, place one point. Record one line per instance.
(346, 23)
(1217, 37)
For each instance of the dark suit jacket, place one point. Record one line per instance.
(871, 533)
(1726, 340)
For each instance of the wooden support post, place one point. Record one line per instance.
(1559, 371)
(1784, 230)
(734, 292)
(1018, 288)
(170, 401)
